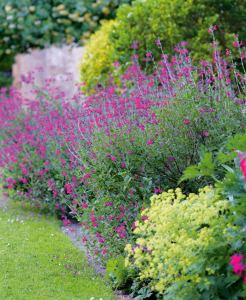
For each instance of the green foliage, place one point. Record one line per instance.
(116, 272)
(183, 246)
(218, 163)
(27, 24)
(5, 79)
(225, 173)
(39, 262)
(237, 142)
(204, 168)
(172, 21)
(5, 71)
(140, 293)
(30, 24)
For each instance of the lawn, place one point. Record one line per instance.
(39, 262)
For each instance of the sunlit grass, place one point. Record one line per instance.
(39, 262)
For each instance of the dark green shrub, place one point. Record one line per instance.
(27, 24)
(5, 71)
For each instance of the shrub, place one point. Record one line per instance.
(183, 246)
(5, 71)
(139, 25)
(97, 58)
(35, 159)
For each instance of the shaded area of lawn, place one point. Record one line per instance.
(39, 262)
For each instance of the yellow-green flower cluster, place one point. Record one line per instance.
(175, 240)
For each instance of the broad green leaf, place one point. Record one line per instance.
(190, 172)
(225, 157)
(237, 142)
(206, 165)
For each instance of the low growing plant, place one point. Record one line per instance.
(183, 246)
(116, 272)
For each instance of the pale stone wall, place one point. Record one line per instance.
(54, 62)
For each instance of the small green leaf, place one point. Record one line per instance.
(204, 168)
(190, 172)
(237, 142)
(206, 165)
(225, 157)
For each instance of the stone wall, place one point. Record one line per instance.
(60, 63)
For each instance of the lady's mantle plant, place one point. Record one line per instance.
(182, 245)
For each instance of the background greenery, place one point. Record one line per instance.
(27, 24)
(172, 21)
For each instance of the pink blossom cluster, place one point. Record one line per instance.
(48, 150)
(238, 266)
(243, 166)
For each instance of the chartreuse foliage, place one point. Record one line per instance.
(39, 262)
(183, 246)
(172, 21)
(97, 59)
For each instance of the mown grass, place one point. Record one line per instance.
(38, 262)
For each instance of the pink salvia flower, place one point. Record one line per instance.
(243, 166)
(186, 121)
(123, 165)
(150, 142)
(104, 251)
(236, 263)
(66, 222)
(84, 205)
(113, 158)
(68, 188)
